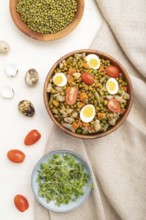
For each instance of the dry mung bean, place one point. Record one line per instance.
(47, 16)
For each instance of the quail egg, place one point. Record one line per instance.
(93, 61)
(31, 77)
(112, 86)
(87, 113)
(4, 47)
(26, 108)
(60, 79)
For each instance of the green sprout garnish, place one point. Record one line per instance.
(62, 179)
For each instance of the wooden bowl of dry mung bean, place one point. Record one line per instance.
(88, 94)
(46, 20)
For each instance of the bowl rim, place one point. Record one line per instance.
(125, 114)
(46, 37)
(61, 151)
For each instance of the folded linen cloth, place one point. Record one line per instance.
(118, 161)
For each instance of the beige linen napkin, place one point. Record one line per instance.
(118, 161)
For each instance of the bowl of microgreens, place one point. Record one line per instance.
(61, 181)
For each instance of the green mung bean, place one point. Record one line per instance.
(47, 16)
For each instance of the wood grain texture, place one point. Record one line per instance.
(46, 37)
(125, 77)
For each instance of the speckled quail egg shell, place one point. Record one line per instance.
(59, 79)
(31, 77)
(11, 70)
(26, 108)
(112, 86)
(87, 113)
(4, 47)
(93, 61)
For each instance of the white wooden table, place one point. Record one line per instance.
(28, 53)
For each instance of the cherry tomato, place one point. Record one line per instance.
(87, 78)
(113, 105)
(112, 71)
(21, 203)
(16, 156)
(71, 95)
(32, 137)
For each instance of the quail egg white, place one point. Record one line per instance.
(60, 79)
(87, 113)
(93, 61)
(112, 86)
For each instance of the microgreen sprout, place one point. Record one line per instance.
(62, 179)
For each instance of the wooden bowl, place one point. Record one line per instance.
(46, 37)
(125, 77)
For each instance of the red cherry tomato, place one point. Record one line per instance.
(21, 203)
(113, 105)
(71, 95)
(16, 156)
(87, 78)
(32, 137)
(112, 71)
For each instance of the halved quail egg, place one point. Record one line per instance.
(87, 113)
(93, 61)
(112, 86)
(60, 79)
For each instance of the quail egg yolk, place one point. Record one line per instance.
(93, 62)
(58, 80)
(88, 112)
(111, 85)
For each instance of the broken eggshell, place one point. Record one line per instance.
(7, 92)
(31, 77)
(11, 70)
(4, 47)
(26, 108)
